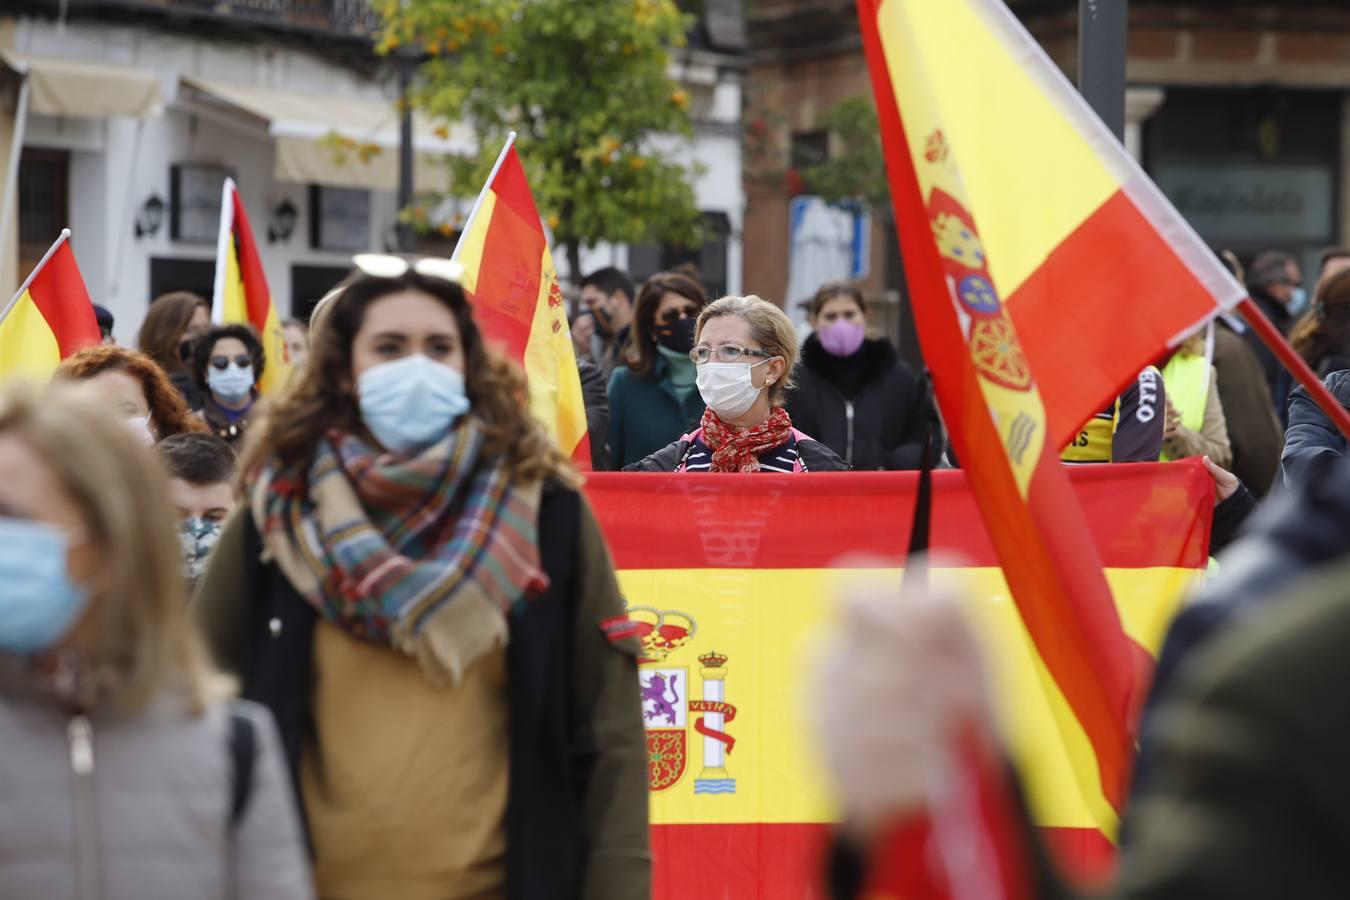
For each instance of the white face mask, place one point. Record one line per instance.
(140, 427)
(727, 388)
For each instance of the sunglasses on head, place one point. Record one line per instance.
(387, 265)
(243, 361)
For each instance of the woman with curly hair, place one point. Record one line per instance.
(420, 594)
(152, 406)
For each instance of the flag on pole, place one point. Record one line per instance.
(241, 293)
(50, 317)
(988, 159)
(1097, 270)
(511, 282)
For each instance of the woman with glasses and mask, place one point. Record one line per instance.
(653, 395)
(127, 770)
(227, 364)
(418, 591)
(745, 350)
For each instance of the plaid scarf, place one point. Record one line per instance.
(428, 554)
(738, 449)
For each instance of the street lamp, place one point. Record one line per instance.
(151, 217)
(283, 222)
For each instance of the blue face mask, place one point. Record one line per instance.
(232, 383)
(1298, 301)
(411, 403)
(39, 604)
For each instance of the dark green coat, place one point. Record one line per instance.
(645, 414)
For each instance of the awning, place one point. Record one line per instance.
(304, 125)
(77, 89)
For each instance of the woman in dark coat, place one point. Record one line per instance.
(653, 395)
(854, 394)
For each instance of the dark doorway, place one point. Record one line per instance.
(178, 274)
(44, 203)
(309, 284)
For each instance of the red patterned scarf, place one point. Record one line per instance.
(738, 449)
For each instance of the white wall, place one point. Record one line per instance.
(117, 164)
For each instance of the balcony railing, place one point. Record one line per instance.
(344, 18)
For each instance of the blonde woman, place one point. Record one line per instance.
(126, 772)
(745, 350)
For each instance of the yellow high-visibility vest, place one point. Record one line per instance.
(1187, 380)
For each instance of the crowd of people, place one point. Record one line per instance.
(343, 640)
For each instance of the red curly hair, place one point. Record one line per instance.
(168, 410)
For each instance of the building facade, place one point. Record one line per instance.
(1240, 111)
(138, 111)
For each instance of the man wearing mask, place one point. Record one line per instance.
(1276, 284)
(200, 468)
(601, 330)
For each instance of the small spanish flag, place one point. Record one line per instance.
(242, 294)
(50, 318)
(511, 282)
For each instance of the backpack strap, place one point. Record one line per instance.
(243, 754)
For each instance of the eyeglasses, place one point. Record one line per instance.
(671, 316)
(727, 353)
(242, 361)
(387, 265)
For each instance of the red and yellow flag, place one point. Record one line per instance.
(51, 318)
(510, 279)
(241, 292)
(730, 579)
(1096, 269)
(937, 71)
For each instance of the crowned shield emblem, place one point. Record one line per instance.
(665, 713)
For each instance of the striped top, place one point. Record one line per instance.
(782, 459)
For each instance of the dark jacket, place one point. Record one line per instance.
(815, 457)
(1312, 435)
(597, 412)
(1253, 428)
(187, 387)
(231, 431)
(577, 808)
(646, 413)
(1295, 532)
(1278, 381)
(868, 408)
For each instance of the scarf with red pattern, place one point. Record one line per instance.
(738, 449)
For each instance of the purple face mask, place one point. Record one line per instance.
(842, 337)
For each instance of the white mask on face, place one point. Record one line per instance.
(140, 427)
(728, 388)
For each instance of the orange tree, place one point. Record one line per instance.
(585, 85)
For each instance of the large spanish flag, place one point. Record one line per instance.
(50, 318)
(241, 292)
(995, 406)
(729, 578)
(510, 279)
(1099, 272)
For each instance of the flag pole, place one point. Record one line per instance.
(1275, 341)
(51, 251)
(223, 239)
(487, 186)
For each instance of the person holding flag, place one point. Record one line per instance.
(417, 589)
